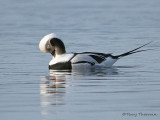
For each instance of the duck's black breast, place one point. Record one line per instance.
(61, 66)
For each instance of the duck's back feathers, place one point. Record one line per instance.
(91, 57)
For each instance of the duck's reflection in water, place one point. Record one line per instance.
(53, 87)
(53, 90)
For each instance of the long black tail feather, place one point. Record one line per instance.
(132, 51)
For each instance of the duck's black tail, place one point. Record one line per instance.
(132, 51)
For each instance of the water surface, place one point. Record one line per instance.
(128, 90)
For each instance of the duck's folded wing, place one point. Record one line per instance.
(89, 57)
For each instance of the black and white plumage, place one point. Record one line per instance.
(62, 61)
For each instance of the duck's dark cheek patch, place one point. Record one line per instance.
(61, 66)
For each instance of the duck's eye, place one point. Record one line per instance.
(48, 47)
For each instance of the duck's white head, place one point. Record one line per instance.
(52, 44)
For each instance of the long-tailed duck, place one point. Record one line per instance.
(64, 61)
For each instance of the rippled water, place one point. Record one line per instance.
(128, 90)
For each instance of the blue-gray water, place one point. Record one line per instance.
(128, 90)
